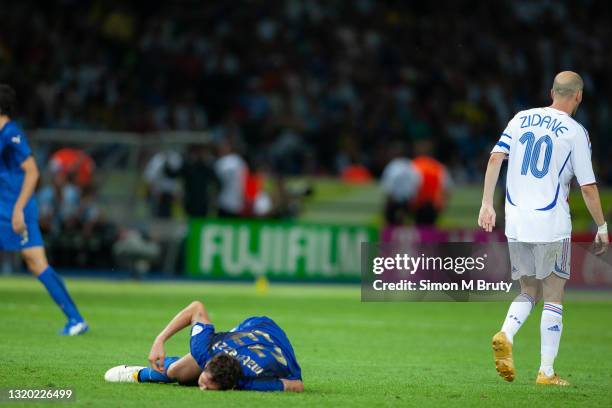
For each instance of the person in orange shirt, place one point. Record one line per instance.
(75, 163)
(433, 192)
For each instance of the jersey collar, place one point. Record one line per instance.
(556, 110)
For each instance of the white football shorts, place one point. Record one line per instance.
(540, 259)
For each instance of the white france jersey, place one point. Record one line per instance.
(545, 149)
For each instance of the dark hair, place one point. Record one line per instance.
(224, 370)
(7, 100)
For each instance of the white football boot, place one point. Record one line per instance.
(123, 373)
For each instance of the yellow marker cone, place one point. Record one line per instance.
(261, 285)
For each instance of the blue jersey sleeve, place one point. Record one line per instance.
(262, 384)
(15, 140)
(199, 344)
(504, 143)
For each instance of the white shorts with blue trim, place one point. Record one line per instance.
(540, 259)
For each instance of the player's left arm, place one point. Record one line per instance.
(30, 179)
(194, 313)
(583, 169)
(590, 193)
(486, 217)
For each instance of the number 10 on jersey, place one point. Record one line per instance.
(532, 154)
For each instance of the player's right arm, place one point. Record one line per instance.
(194, 313)
(501, 150)
(293, 385)
(486, 217)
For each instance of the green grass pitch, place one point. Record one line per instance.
(351, 353)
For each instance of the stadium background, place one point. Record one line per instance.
(310, 94)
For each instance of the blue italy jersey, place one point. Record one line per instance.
(261, 346)
(14, 150)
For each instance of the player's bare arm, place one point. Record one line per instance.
(590, 194)
(30, 179)
(194, 313)
(293, 385)
(486, 217)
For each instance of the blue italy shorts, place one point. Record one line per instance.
(9, 241)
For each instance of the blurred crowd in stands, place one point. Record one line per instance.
(317, 84)
(207, 179)
(76, 230)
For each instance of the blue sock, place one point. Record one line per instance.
(56, 288)
(148, 374)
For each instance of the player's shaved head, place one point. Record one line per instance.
(567, 84)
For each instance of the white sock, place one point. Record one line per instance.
(551, 328)
(517, 314)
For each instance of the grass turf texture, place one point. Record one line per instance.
(351, 353)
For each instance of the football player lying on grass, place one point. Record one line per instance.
(256, 355)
